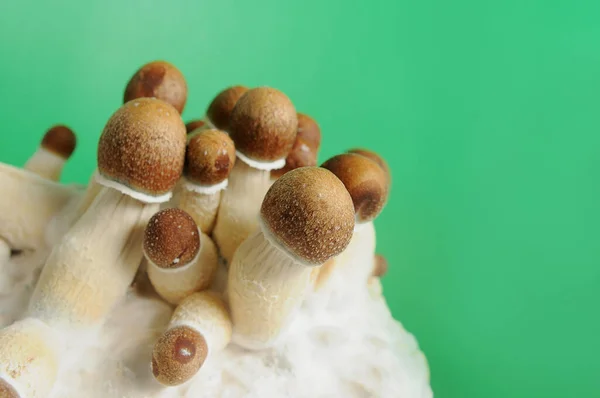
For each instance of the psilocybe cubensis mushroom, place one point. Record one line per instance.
(182, 259)
(134, 299)
(263, 126)
(306, 218)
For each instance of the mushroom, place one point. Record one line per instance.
(263, 127)
(56, 148)
(210, 156)
(182, 259)
(380, 266)
(219, 110)
(161, 80)
(309, 131)
(199, 326)
(196, 124)
(306, 218)
(140, 158)
(368, 185)
(301, 155)
(374, 157)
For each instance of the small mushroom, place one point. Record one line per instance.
(161, 80)
(182, 259)
(309, 131)
(306, 218)
(263, 127)
(210, 156)
(376, 158)
(301, 155)
(200, 326)
(219, 110)
(380, 266)
(56, 148)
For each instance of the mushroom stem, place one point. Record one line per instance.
(46, 164)
(240, 206)
(29, 352)
(5, 271)
(91, 268)
(175, 284)
(200, 325)
(265, 288)
(201, 203)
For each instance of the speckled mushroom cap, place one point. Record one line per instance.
(301, 155)
(309, 212)
(143, 147)
(158, 79)
(171, 239)
(178, 355)
(7, 391)
(365, 181)
(209, 158)
(309, 131)
(220, 108)
(193, 125)
(60, 140)
(374, 157)
(263, 124)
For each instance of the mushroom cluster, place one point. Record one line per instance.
(228, 218)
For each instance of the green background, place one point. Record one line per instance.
(488, 113)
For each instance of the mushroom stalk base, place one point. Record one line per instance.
(266, 286)
(240, 207)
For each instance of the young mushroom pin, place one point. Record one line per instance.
(140, 158)
(182, 259)
(200, 325)
(263, 127)
(209, 158)
(56, 148)
(306, 218)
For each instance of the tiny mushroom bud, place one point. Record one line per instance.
(263, 126)
(309, 131)
(56, 148)
(301, 155)
(381, 266)
(200, 325)
(306, 218)
(219, 110)
(140, 158)
(182, 260)
(161, 80)
(210, 156)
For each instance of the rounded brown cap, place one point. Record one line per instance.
(60, 140)
(301, 155)
(171, 239)
(309, 212)
(309, 131)
(374, 157)
(209, 158)
(194, 124)
(178, 355)
(365, 181)
(7, 391)
(381, 266)
(158, 79)
(263, 124)
(220, 108)
(143, 146)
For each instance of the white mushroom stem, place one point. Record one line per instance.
(29, 352)
(92, 267)
(46, 164)
(200, 202)
(6, 277)
(240, 206)
(175, 284)
(266, 286)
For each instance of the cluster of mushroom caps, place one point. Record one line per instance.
(228, 217)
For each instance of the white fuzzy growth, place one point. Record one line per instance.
(240, 207)
(176, 284)
(46, 164)
(142, 197)
(266, 286)
(260, 165)
(90, 270)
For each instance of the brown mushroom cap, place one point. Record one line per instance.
(301, 155)
(220, 108)
(374, 157)
(309, 131)
(60, 140)
(209, 158)
(171, 239)
(194, 124)
(263, 124)
(158, 79)
(365, 181)
(309, 212)
(7, 391)
(143, 146)
(381, 266)
(178, 355)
